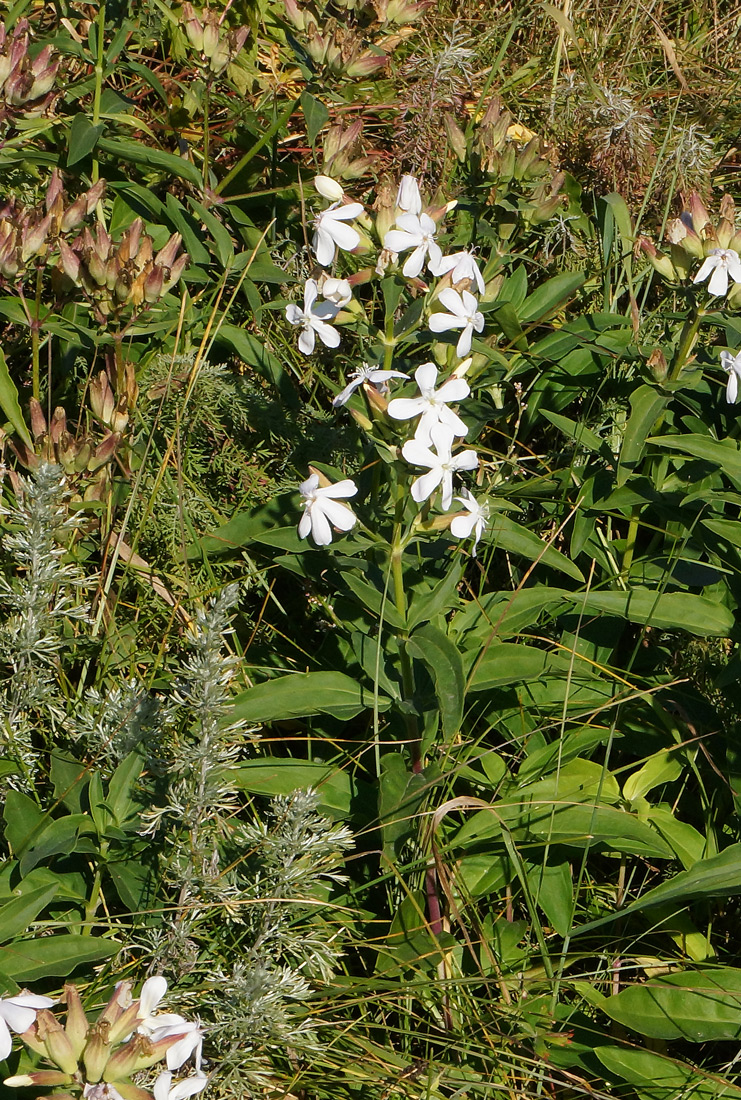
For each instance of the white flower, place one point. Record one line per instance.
(322, 509)
(18, 1013)
(731, 363)
(190, 1086)
(330, 230)
(191, 1041)
(462, 265)
(463, 314)
(337, 291)
(432, 406)
(313, 320)
(329, 188)
(462, 526)
(719, 264)
(365, 374)
(442, 464)
(101, 1091)
(408, 198)
(415, 231)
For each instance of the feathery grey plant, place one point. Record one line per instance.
(41, 598)
(112, 724)
(201, 793)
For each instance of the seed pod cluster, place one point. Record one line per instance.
(25, 83)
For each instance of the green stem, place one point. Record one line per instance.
(400, 603)
(98, 80)
(686, 342)
(36, 341)
(206, 133)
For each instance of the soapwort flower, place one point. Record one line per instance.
(408, 198)
(363, 374)
(323, 510)
(461, 265)
(732, 364)
(416, 231)
(432, 405)
(441, 463)
(330, 230)
(18, 1013)
(463, 314)
(719, 264)
(189, 1086)
(313, 320)
(166, 1025)
(474, 523)
(337, 291)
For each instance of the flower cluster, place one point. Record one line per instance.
(98, 1060)
(216, 45)
(25, 83)
(403, 226)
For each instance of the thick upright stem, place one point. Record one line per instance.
(98, 91)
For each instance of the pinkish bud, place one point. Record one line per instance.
(367, 65)
(58, 1046)
(294, 14)
(193, 27)
(167, 255)
(38, 420)
(33, 242)
(176, 272)
(94, 195)
(70, 262)
(54, 190)
(211, 33)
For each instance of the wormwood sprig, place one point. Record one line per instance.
(42, 596)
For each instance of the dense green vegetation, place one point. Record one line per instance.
(370, 553)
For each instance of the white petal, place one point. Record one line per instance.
(152, 993)
(453, 421)
(441, 322)
(408, 197)
(415, 263)
(453, 302)
(425, 486)
(17, 1017)
(384, 375)
(404, 408)
(426, 376)
(180, 1052)
(321, 532)
(734, 266)
(398, 241)
(732, 388)
(341, 490)
(429, 419)
(455, 389)
(434, 254)
(311, 290)
(306, 488)
(189, 1086)
(344, 213)
(711, 262)
(161, 1088)
(304, 524)
(442, 440)
(446, 498)
(339, 515)
(469, 303)
(419, 454)
(465, 460)
(343, 235)
(329, 336)
(343, 397)
(426, 224)
(306, 341)
(323, 246)
(718, 282)
(727, 360)
(444, 264)
(478, 321)
(6, 1043)
(462, 526)
(294, 315)
(463, 346)
(411, 223)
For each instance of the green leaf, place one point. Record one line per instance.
(246, 527)
(58, 835)
(441, 656)
(580, 433)
(717, 876)
(400, 797)
(506, 663)
(122, 784)
(315, 114)
(253, 352)
(424, 606)
(509, 535)
(645, 404)
(335, 788)
(17, 914)
(697, 1005)
(83, 137)
(550, 296)
(53, 956)
(135, 153)
(372, 600)
(9, 402)
(552, 888)
(668, 611)
(663, 767)
(656, 1077)
(301, 695)
(23, 820)
(724, 454)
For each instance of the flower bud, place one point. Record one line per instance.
(210, 33)
(53, 1036)
(657, 364)
(658, 260)
(38, 420)
(44, 1078)
(329, 188)
(193, 27)
(70, 262)
(698, 213)
(104, 452)
(456, 137)
(366, 65)
(58, 424)
(33, 241)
